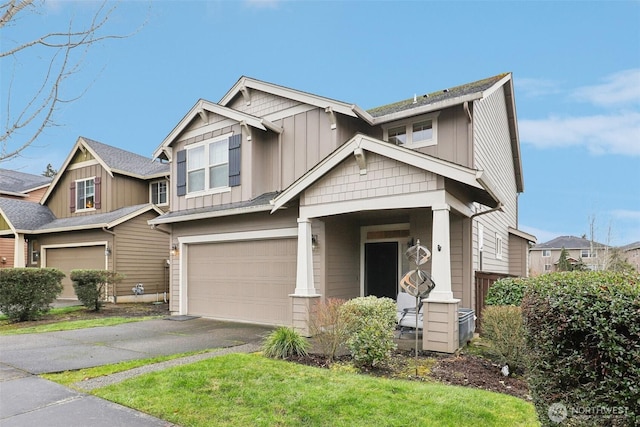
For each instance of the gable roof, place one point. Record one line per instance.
(568, 242)
(201, 108)
(631, 246)
(115, 161)
(244, 83)
(439, 99)
(471, 178)
(33, 218)
(15, 183)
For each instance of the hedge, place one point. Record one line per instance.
(26, 293)
(507, 291)
(582, 333)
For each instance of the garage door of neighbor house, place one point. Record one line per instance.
(67, 259)
(244, 281)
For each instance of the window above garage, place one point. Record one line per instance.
(212, 166)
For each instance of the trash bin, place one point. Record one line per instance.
(466, 325)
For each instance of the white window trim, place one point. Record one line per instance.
(408, 123)
(85, 209)
(498, 246)
(206, 191)
(546, 253)
(151, 191)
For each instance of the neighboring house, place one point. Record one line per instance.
(19, 186)
(282, 198)
(94, 216)
(631, 254)
(543, 257)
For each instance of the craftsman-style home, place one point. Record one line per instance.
(94, 216)
(280, 198)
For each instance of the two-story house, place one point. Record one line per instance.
(94, 216)
(631, 254)
(281, 198)
(20, 186)
(544, 256)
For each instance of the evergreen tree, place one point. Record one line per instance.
(563, 261)
(50, 172)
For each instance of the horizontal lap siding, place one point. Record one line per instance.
(493, 155)
(141, 255)
(343, 260)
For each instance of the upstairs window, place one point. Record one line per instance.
(159, 193)
(585, 253)
(546, 253)
(413, 133)
(85, 194)
(208, 166)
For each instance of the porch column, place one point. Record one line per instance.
(18, 251)
(441, 254)
(304, 275)
(440, 327)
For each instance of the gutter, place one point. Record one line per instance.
(500, 208)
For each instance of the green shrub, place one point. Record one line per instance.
(582, 333)
(370, 323)
(25, 293)
(328, 327)
(90, 285)
(507, 291)
(503, 328)
(283, 343)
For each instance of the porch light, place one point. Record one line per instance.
(314, 241)
(174, 250)
(107, 251)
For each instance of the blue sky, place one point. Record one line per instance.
(576, 69)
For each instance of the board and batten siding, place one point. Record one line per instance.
(453, 128)
(493, 155)
(342, 240)
(115, 192)
(518, 256)
(141, 255)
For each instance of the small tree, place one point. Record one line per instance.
(90, 285)
(328, 327)
(617, 263)
(563, 261)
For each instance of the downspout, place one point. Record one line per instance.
(113, 259)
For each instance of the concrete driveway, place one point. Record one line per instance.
(27, 400)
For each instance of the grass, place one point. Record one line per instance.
(61, 311)
(251, 390)
(67, 378)
(14, 329)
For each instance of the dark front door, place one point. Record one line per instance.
(381, 269)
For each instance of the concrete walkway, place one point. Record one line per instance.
(28, 400)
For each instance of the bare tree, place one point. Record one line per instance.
(24, 120)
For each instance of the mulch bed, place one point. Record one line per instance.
(461, 369)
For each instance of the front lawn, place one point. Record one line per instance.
(251, 390)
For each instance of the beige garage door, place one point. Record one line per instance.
(67, 259)
(243, 281)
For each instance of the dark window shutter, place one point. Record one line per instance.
(234, 159)
(181, 181)
(96, 189)
(72, 197)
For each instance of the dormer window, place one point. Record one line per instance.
(85, 194)
(414, 133)
(159, 193)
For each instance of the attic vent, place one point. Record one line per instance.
(446, 90)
